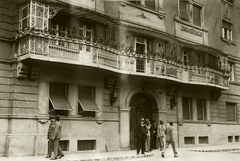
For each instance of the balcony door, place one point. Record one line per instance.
(140, 47)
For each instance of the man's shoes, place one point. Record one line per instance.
(47, 157)
(60, 156)
(54, 158)
(176, 155)
(162, 155)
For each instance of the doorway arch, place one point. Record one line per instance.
(142, 105)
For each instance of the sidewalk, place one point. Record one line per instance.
(206, 153)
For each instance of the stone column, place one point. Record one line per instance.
(194, 109)
(208, 111)
(124, 127)
(73, 99)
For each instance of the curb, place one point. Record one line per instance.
(117, 158)
(217, 150)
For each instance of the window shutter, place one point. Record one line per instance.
(227, 25)
(183, 10)
(196, 15)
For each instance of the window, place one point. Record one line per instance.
(227, 20)
(58, 28)
(231, 68)
(141, 47)
(58, 101)
(201, 109)
(146, 3)
(190, 12)
(231, 112)
(197, 15)
(230, 139)
(35, 15)
(86, 101)
(237, 138)
(203, 139)
(187, 108)
(86, 145)
(185, 57)
(189, 140)
(85, 32)
(64, 145)
(227, 30)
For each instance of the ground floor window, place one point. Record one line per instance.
(201, 109)
(187, 108)
(189, 140)
(64, 145)
(231, 112)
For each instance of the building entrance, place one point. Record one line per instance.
(141, 107)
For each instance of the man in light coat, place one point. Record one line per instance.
(161, 134)
(170, 140)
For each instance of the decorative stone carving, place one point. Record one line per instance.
(227, 11)
(142, 16)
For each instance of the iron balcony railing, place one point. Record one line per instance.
(82, 52)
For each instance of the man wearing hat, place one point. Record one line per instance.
(161, 134)
(140, 133)
(170, 140)
(53, 142)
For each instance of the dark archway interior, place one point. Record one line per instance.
(142, 106)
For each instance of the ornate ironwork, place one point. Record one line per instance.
(53, 10)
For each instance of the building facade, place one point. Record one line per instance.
(103, 65)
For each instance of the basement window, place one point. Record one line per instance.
(189, 140)
(203, 139)
(86, 145)
(64, 145)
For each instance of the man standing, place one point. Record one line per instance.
(148, 136)
(161, 134)
(140, 133)
(53, 142)
(170, 140)
(153, 135)
(59, 135)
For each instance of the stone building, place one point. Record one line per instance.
(103, 65)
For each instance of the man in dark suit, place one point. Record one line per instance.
(170, 140)
(53, 142)
(59, 135)
(140, 133)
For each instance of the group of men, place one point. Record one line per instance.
(148, 133)
(53, 136)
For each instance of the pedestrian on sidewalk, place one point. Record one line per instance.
(141, 135)
(153, 135)
(59, 135)
(161, 134)
(148, 136)
(170, 140)
(53, 142)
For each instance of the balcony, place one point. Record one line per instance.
(39, 45)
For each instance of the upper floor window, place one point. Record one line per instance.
(35, 15)
(86, 32)
(231, 68)
(141, 47)
(227, 20)
(231, 112)
(59, 25)
(146, 3)
(187, 108)
(190, 12)
(185, 57)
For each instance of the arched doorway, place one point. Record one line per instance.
(142, 105)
